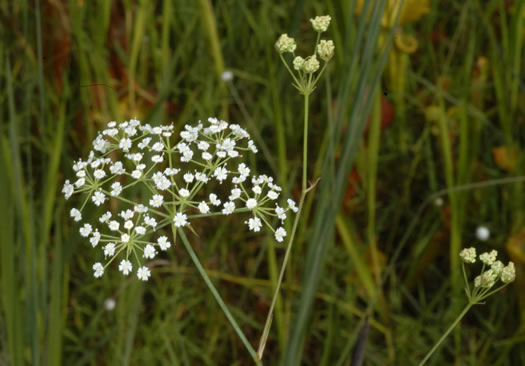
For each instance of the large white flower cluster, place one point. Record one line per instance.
(174, 173)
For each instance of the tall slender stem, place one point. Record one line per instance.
(452, 326)
(305, 190)
(305, 142)
(215, 293)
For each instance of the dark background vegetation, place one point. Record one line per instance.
(448, 111)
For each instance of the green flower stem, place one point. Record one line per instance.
(305, 143)
(467, 308)
(215, 293)
(305, 190)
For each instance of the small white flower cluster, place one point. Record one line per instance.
(309, 65)
(131, 153)
(496, 269)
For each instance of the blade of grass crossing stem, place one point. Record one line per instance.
(11, 307)
(215, 294)
(329, 201)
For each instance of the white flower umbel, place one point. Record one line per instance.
(285, 44)
(483, 286)
(176, 173)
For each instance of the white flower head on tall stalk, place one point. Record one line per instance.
(175, 173)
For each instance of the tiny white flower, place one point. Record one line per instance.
(125, 144)
(136, 174)
(487, 279)
(109, 250)
(117, 168)
(243, 169)
(80, 182)
(251, 203)
(99, 174)
(279, 211)
(252, 147)
(298, 63)
(320, 23)
(188, 177)
(488, 258)
(180, 219)
(149, 251)
(128, 224)
(273, 195)
(157, 146)
(140, 208)
(213, 199)
(201, 177)
(141, 230)
(143, 273)
(204, 208)
(150, 221)
(291, 205)
(124, 238)
(207, 156)
(257, 189)
(170, 171)
(311, 65)
(280, 234)
(497, 267)
(236, 193)
(508, 273)
(220, 174)
(68, 189)
(229, 207)
(157, 158)
(127, 214)
(325, 50)
(183, 192)
(203, 145)
(98, 270)
(98, 198)
(116, 189)
(254, 224)
(95, 238)
(86, 230)
(125, 267)
(113, 225)
(468, 255)
(163, 242)
(156, 200)
(105, 217)
(285, 44)
(75, 214)
(482, 233)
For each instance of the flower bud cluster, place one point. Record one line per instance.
(306, 67)
(492, 271)
(131, 155)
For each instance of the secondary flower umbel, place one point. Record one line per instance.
(173, 174)
(304, 76)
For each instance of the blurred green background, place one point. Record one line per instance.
(417, 132)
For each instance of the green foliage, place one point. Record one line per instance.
(371, 243)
